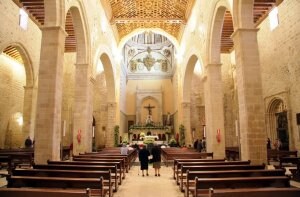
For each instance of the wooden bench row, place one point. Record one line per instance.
(38, 192)
(169, 154)
(254, 192)
(196, 176)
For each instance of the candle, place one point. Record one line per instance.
(93, 133)
(204, 132)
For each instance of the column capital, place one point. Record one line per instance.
(51, 28)
(242, 30)
(28, 87)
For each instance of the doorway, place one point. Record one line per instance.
(282, 130)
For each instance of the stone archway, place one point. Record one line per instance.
(141, 96)
(187, 107)
(82, 122)
(213, 85)
(17, 119)
(277, 122)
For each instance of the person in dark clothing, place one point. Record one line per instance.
(156, 151)
(28, 142)
(268, 143)
(143, 157)
(196, 144)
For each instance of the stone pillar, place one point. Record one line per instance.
(214, 110)
(111, 123)
(83, 116)
(49, 101)
(27, 113)
(186, 120)
(251, 107)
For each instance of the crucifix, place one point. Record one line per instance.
(149, 107)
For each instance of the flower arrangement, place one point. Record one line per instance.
(172, 142)
(142, 134)
(181, 133)
(116, 135)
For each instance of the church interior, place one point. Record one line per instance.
(84, 76)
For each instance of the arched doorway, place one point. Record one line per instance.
(16, 79)
(277, 123)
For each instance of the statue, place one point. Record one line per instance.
(149, 119)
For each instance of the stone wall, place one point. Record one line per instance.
(197, 107)
(12, 81)
(68, 96)
(29, 41)
(230, 104)
(280, 62)
(100, 109)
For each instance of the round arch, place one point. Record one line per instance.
(187, 80)
(81, 31)
(155, 30)
(110, 77)
(23, 112)
(26, 60)
(215, 31)
(277, 121)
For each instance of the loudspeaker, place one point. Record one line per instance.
(298, 118)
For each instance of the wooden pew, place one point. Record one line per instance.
(283, 161)
(296, 172)
(120, 168)
(202, 184)
(57, 182)
(232, 153)
(274, 155)
(113, 170)
(122, 160)
(38, 192)
(174, 153)
(5, 159)
(192, 160)
(255, 192)
(179, 164)
(106, 175)
(128, 160)
(191, 175)
(16, 158)
(184, 169)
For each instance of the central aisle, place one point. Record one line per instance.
(149, 186)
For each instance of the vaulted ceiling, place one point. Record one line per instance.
(128, 15)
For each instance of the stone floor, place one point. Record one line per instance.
(135, 185)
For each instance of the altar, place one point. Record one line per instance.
(149, 118)
(161, 134)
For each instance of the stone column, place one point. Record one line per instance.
(49, 101)
(186, 120)
(111, 123)
(27, 112)
(251, 107)
(83, 116)
(214, 110)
